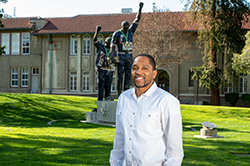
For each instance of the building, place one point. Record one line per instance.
(57, 56)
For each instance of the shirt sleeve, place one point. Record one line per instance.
(117, 154)
(172, 127)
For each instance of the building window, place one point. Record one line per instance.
(85, 81)
(190, 80)
(228, 86)
(25, 43)
(243, 83)
(25, 77)
(113, 84)
(86, 45)
(14, 77)
(6, 43)
(15, 44)
(73, 45)
(35, 71)
(73, 81)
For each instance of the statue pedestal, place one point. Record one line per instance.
(106, 111)
(105, 114)
(208, 131)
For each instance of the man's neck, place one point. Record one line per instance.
(140, 91)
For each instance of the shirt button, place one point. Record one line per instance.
(133, 113)
(129, 151)
(130, 125)
(129, 138)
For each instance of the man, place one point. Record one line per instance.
(148, 122)
(123, 38)
(103, 66)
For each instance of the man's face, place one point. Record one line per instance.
(125, 29)
(142, 73)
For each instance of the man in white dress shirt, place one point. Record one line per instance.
(148, 122)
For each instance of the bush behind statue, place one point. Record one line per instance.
(245, 97)
(232, 98)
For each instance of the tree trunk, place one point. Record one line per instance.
(215, 93)
(215, 97)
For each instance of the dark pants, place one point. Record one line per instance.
(104, 82)
(124, 66)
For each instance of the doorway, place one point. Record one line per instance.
(163, 80)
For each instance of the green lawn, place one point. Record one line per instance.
(26, 139)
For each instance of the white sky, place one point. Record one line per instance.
(69, 8)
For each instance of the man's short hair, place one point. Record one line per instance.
(125, 23)
(151, 60)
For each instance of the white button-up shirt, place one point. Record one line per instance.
(148, 129)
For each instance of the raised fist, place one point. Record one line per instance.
(141, 4)
(98, 28)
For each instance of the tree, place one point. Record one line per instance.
(2, 26)
(241, 62)
(220, 31)
(159, 35)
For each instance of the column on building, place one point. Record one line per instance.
(79, 64)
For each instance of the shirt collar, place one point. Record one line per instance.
(148, 93)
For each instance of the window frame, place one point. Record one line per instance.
(36, 70)
(244, 77)
(27, 47)
(228, 84)
(190, 81)
(73, 81)
(5, 41)
(14, 79)
(16, 45)
(73, 45)
(85, 81)
(86, 45)
(23, 74)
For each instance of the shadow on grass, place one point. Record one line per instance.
(20, 149)
(50, 150)
(27, 110)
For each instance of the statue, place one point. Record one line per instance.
(123, 38)
(104, 66)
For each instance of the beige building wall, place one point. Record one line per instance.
(19, 61)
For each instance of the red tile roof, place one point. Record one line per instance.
(17, 23)
(87, 23)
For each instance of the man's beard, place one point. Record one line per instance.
(145, 84)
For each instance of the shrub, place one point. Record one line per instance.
(245, 97)
(232, 98)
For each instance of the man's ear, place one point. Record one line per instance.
(154, 74)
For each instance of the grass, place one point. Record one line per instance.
(27, 140)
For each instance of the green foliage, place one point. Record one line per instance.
(220, 23)
(245, 97)
(241, 62)
(232, 98)
(207, 78)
